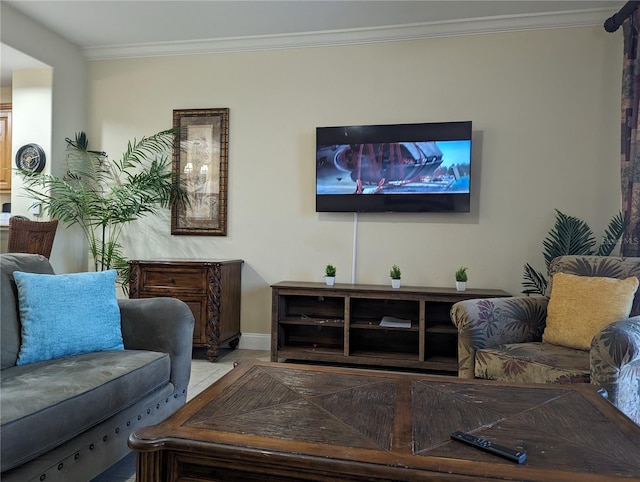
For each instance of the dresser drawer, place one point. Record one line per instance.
(191, 280)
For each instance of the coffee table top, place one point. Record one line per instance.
(398, 425)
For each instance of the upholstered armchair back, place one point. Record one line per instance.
(602, 266)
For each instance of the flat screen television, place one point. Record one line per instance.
(394, 168)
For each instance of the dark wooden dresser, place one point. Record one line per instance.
(211, 288)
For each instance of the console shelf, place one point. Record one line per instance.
(341, 324)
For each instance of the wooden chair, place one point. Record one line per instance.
(26, 236)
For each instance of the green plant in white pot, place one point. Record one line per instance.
(330, 274)
(395, 275)
(461, 279)
(103, 196)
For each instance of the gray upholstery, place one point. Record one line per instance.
(10, 329)
(105, 381)
(69, 419)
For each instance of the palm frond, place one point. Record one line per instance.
(139, 152)
(534, 281)
(612, 234)
(89, 169)
(569, 235)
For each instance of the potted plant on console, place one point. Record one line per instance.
(395, 276)
(330, 274)
(461, 279)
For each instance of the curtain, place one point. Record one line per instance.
(630, 173)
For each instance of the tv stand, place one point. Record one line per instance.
(341, 324)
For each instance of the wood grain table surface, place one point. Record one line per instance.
(268, 421)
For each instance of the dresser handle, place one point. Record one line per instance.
(171, 280)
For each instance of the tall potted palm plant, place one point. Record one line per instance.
(103, 196)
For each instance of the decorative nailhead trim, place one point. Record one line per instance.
(92, 447)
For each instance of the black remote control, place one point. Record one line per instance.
(513, 455)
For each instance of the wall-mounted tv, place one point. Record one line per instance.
(394, 168)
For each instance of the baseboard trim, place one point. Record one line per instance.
(255, 341)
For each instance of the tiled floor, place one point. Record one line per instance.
(203, 374)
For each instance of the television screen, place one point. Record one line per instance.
(395, 168)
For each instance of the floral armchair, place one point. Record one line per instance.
(501, 339)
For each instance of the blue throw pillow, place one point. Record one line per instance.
(67, 314)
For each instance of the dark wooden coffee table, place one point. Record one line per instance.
(282, 422)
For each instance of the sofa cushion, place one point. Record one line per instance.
(67, 314)
(580, 306)
(45, 404)
(10, 334)
(534, 362)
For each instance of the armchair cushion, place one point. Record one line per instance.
(533, 362)
(580, 306)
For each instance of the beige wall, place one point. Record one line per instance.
(5, 95)
(65, 111)
(545, 112)
(31, 123)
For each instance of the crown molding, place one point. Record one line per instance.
(450, 28)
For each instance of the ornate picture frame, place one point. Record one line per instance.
(200, 166)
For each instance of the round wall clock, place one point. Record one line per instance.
(31, 157)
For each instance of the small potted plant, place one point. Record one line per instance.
(330, 274)
(461, 279)
(395, 276)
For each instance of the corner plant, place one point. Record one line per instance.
(330, 270)
(395, 272)
(571, 236)
(461, 275)
(102, 196)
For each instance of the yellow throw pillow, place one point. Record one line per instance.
(580, 306)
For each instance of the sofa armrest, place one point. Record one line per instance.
(488, 322)
(615, 364)
(163, 325)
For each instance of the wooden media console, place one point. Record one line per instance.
(341, 324)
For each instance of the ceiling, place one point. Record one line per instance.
(121, 28)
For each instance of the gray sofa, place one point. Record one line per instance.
(69, 419)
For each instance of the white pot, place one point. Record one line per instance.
(331, 280)
(395, 283)
(461, 285)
